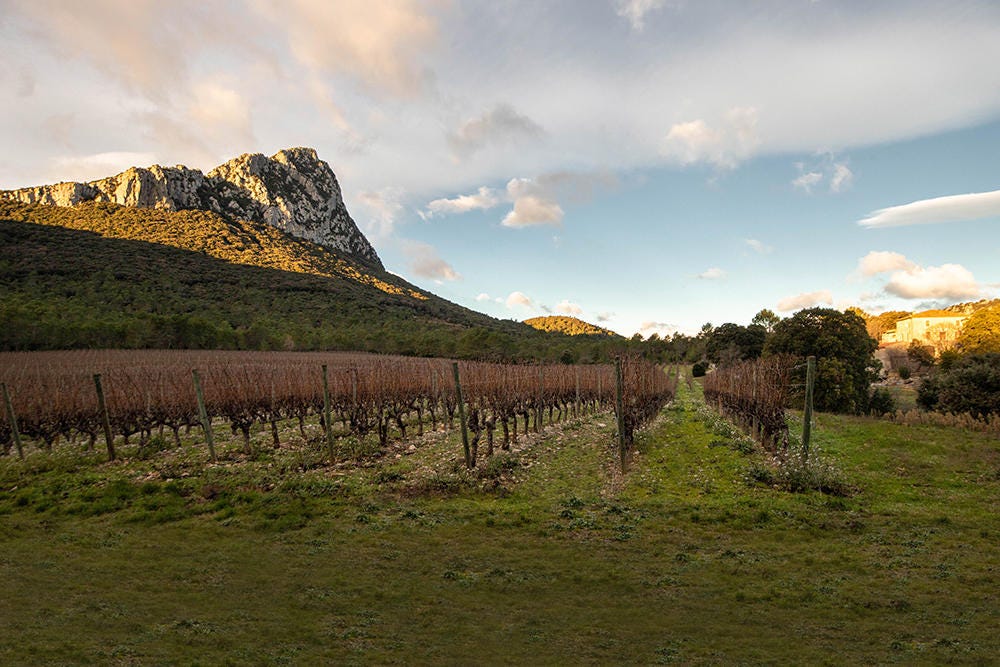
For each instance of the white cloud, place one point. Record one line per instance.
(662, 329)
(948, 281)
(883, 261)
(605, 317)
(533, 210)
(759, 246)
(385, 207)
(837, 174)
(536, 200)
(521, 299)
(806, 300)
(380, 43)
(909, 280)
(502, 124)
(321, 72)
(953, 208)
(713, 273)
(221, 111)
(485, 198)
(807, 181)
(100, 165)
(725, 146)
(483, 296)
(532, 205)
(425, 262)
(126, 40)
(635, 10)
(566, 307)
(841, 178)
(25, 83)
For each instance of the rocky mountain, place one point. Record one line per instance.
(293, 190)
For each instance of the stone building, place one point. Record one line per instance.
(935, 328)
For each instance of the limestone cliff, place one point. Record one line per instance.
(293, 190)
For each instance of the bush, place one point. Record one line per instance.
(921, 355)
(798, 476)
(881, 402)
(971, 384)
(699, 369)
(927, 393)
(904, 372)
(948, 359)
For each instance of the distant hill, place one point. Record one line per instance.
(570, 326)
(970, 307)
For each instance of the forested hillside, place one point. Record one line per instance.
(63, 288)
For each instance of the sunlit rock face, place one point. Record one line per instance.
(292, 190)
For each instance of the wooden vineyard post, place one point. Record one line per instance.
(620, 410)
(469, 463)
(12, 419)
(576, 404)
(433, 401)
(354, 388)
(105, 420)
(327, 427)
(538, 401)
(807, 416)
(206, 423)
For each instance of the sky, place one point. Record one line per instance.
(646, 165)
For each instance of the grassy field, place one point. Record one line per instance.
(546, 555)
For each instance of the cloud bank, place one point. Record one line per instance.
(724, 146)
(953, 208)
(501, 125)
(806, 300)
(425, 262)
(909, 280)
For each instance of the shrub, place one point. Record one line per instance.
(904, 372)
(797, 476)
(971, 384)
(881, 402)
(699, 369)
(948, 359)
(921, 355)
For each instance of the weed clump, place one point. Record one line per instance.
(797, 475)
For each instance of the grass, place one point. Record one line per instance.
(548, 555)
(904, 396)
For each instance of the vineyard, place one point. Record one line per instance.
(754, 395)
(128, 397)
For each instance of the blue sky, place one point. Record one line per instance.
(649, 165)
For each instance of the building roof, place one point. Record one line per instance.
(935, 313)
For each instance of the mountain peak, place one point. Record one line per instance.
(293, 190)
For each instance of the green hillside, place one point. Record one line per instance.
(570, 326)
(65, 288)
